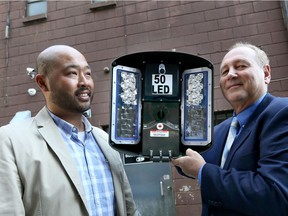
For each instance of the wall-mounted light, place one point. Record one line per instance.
(32, 91)
(31, 72)
(106, 69)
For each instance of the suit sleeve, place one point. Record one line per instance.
(263, 191)
(10, 184)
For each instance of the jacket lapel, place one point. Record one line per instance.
(237, 143)
(214, 154)
(51, 135)
(110, 155)
(247, 129)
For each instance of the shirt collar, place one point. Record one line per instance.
(247, 113)
(68, 128)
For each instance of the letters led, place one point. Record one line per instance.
(162, 84)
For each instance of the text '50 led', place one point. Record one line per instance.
(161, 104)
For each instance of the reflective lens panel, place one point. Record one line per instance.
(126, 105)
(196, 108)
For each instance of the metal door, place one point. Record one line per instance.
(151, 184)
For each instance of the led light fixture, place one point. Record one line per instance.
(161, 104)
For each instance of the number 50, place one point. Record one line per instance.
(159, 78)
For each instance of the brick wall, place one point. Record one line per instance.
(204, 28)
(187, 195)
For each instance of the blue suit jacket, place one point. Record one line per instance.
(254, 179)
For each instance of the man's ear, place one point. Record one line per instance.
(267, 73)
(41, 82)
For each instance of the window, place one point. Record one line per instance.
(221, 116)
(101, 4)
(36, 7)
(95, 1)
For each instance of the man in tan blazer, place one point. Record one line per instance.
(39, 174)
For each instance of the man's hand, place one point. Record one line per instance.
(190, 164)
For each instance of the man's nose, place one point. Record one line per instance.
(232, 72)
(82, 80)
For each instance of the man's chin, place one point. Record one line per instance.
(80, 109)
(86, 108)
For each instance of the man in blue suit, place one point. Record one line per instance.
(253, 178)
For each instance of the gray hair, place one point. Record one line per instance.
(260, 54)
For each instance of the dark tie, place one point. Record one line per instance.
(230, 139)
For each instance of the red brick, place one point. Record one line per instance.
(130, 9)
(186, 185)
(284, 86)
(230, 22)
(244, 31)
(261, 17)
(282, 60)
(265, 5)
(275, 14)
(142, 47)
(114, 22)
(220, 35)
(92, 26)
(259, 39)
(102, 97)
(202, 6)
(201, 28)
(196, 39)
(158, 14)
(146, 6)
(136, 18)
(280, 36)
(102, 86)
(178, 31)
(137, 38)
(216, 14)
(279, 72)
(132, 29)
(100, 120)
(275, 86)
(272, 26)
(159, 34)
(219, 4)
(217, 91)
(206, 26)
(101, 108)
(221, 104)
(241, 9)
(180, 10)
(209, 48)
(276, 49)
(56, 15)
(63, 23)
(191, 210)
(171, 43)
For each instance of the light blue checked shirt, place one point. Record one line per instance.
(92, 166)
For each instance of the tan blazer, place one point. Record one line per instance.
(38, 176)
